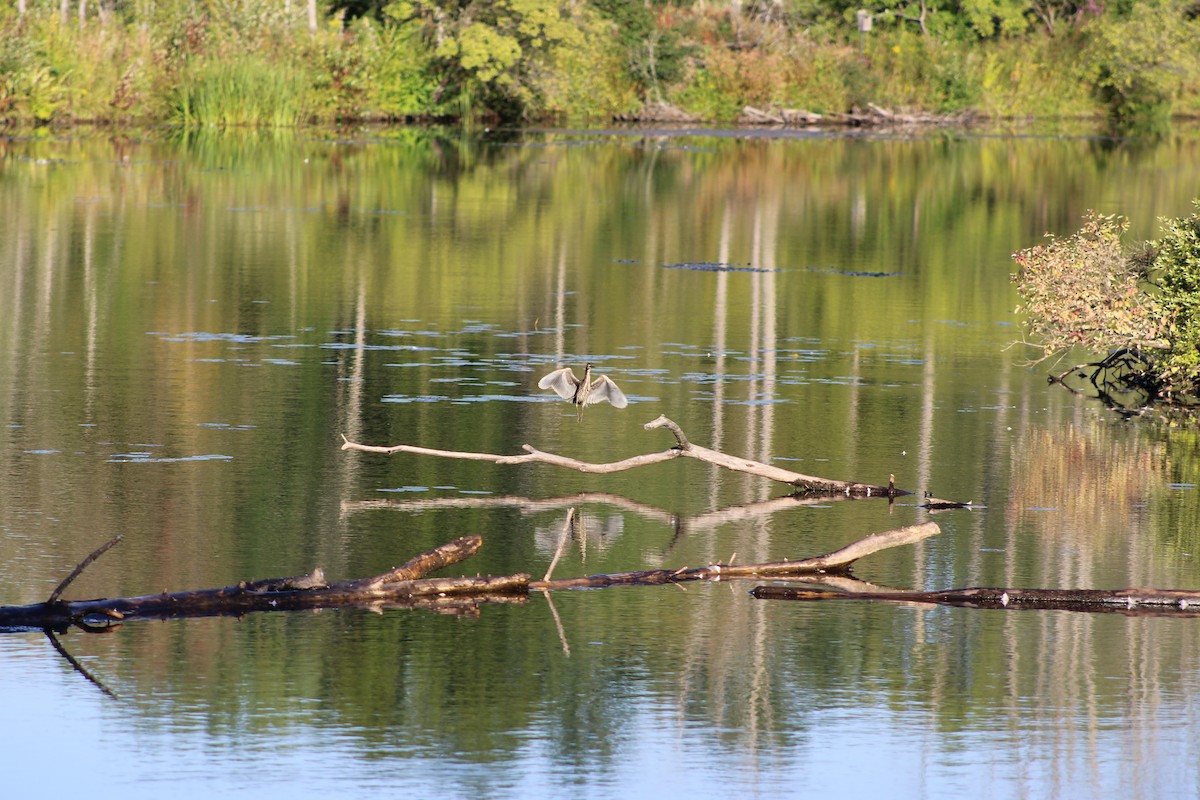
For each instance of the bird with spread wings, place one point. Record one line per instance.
(584, 392)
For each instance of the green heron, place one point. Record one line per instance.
(583, 392)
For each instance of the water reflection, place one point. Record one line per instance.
(187, 327)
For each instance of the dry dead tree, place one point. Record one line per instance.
(800, 483)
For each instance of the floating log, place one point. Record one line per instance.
(403, 586)
(406, 586)
(1130, 602)
(801, 484)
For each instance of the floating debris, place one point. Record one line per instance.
(715, 266)
(853, 273)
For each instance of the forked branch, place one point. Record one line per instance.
(804, 484)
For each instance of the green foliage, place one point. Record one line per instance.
(587, 82)
(988, 18)
(524, 59)
(495, 52)
(655, 55)
(242, 92)
(922, 72)
(1033, 77)
(1140, 60)
(1175, 265)
(1085, 290)
(401, 82)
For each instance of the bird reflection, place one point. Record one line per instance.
(583, 392)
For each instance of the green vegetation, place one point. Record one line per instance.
(1142, 307)
(279, 63)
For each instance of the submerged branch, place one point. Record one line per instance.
(406, 586)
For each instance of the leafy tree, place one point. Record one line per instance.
(989, 18)
(1140, 61)
(491, 52)
(654, 56)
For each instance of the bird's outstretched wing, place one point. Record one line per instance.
(562, 382)
(603, 389)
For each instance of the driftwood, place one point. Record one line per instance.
(838, 561)
(872, 116)
(401, 586)
(803, 484)
(1129, 602)
(406, 586)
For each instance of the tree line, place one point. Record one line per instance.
(284, 62)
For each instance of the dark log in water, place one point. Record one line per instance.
(401, 586)
(1132, 601)
(802, 484)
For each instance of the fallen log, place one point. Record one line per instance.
(1129, 602)
(402, 586)
(801, 484)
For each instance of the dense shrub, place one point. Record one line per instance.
(1174, 262)
(1142, 59)
(1087, 290)
(1082, 290)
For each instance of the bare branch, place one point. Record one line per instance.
(799, 482)
(79, 568)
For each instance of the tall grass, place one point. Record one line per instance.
(240, 92)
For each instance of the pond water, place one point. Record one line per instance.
(189, 326)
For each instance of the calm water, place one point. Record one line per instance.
(187, 329)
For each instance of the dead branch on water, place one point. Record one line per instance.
(1128, 602)
(804, 484)
(401, 586)
(838, 561)
(406, 586)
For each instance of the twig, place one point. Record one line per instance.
(99, 551)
